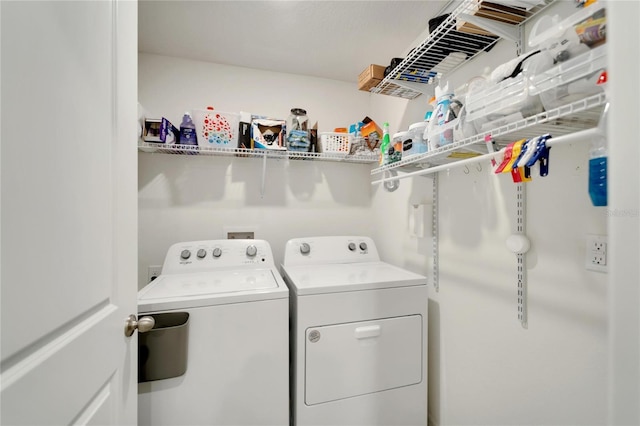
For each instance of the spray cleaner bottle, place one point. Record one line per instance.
(385, 145)
(439, 118)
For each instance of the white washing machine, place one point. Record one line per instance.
(219, 353)
(358, 337)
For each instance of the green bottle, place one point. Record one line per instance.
(384, 146)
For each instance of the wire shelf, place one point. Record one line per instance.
(160, 148)
(454, 42)
(570, 118)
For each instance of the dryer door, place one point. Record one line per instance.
(347, 360)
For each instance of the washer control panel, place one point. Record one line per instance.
(323, 250)
(198, 256)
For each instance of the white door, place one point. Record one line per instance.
(69, 212)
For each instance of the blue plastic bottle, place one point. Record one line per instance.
(598, 173)
(598, 164)
(188, 131)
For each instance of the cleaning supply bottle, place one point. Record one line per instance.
(598, 164)
(188, 131)
(385, 145)
(441, 113)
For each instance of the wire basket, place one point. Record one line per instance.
(335, 143)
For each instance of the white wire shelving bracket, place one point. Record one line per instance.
(463, 35)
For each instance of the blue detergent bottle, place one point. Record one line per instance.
(598, 165)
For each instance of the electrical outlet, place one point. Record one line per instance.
(240, 235)
(153, 272)
(596, 255)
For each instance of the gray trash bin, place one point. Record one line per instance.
(162, 351)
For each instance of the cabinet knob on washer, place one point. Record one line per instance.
(352, 246)
(217, 252)
(185, 254)
(363, 246)
(305, 248)
(201, 253)
(252, 250)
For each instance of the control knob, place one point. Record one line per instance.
(363, 246)
(201, 253)
(185, 254)
(217, 252)
(352, 246)
(305, 248)
(252, 250)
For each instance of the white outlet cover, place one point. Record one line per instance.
(596, 256)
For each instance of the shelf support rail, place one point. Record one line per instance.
(579, 136)
(521, 257)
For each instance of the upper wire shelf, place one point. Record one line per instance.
(570, 118)
(365, 158)
(471, 28)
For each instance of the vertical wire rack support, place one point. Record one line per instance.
(521, 257)
(434, 227)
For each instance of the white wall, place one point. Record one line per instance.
(185, 198)
(484, 368)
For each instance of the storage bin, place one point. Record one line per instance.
(163, 351)
(572, 80)
(510, 97)
(335, 143)
(442, 135)
(216, 128)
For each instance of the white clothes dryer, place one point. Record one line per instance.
(219, 352)
(358, 335)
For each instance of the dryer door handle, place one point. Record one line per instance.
(367, 331)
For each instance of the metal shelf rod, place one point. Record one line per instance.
(572, 137)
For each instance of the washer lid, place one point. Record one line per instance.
(334, 278)
(180, 291)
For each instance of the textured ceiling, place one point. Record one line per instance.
(330, 39)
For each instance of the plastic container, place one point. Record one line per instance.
(335, 143)
(442, 135)
(513, 98)
(598, 164)
(571, 80)
(163, 351)
(419, 143)
(400, 142)
(216, 128)
(587, 25)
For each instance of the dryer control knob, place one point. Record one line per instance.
(252, 250)
(185, 254)
(352, 246)
(201, 253)
(217, 252)
(305, 248)
(363, 246)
